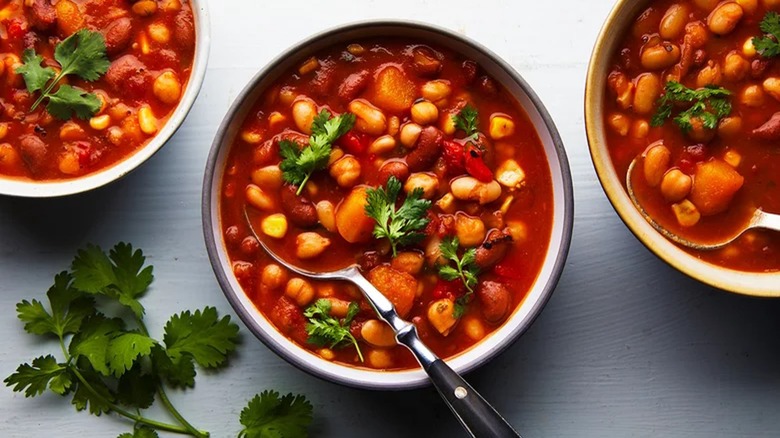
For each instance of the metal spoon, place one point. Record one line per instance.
(759, 219)
(472, 411)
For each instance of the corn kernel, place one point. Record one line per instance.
(506, 204)
(518, 230)
(8, 156)
(147, 120)
(447, 203)
(687, 214)
(326, 353)
(356, 49)
(143, 43)
(309, 66)
(159, 33)
(274, 225)
(276, 119)
(98, 123)
(733, 158)
(510, 174)
(748, 49)
(448, 124)
(501, 127)
(167, 87)
(335, 155)
(252, 137)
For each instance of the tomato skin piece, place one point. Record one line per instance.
(354, 142)
(17, 28)
(447, 289)
(453, 153)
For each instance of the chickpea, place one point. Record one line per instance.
(346, 171)
(686, 213)
(510, 174)
(709, 75)
(273, 276)
(300, 291)
(310, 244)
(378, 358)
(436, 90)
(657, 158)
(620, 123)
(424, 113)
(426, 181)
(408, 261)
(752, 96)
(648, 89)
(640, 129)
(735, 67)
(501, 126)
(441, 316)
(724, 18)
(470, 230)
(467, 188)
(159, 33)
(326, 353)
(338, 308)
(771, 86)
(473, 328)
(660, 56)
(378, 333)
(675, 185)
(518, 230)
(167, 88)
(410, 132)
(730, 126)
(303, 112)
(145, 8)
(698, 132)
(258, 198)
(697, 34)
(8, 155)
(382, 145)
(674, 21)
(370, 119)
(69, 163)
(326, 213)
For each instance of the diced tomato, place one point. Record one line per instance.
(508, 270)
(433, 224)
(448, 289)
(17, 28)
(354, 142)
(475, 165)
(452, 153)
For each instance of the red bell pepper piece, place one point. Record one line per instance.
(354, 142)
(475, 165)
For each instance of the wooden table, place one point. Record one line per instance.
(627, 346)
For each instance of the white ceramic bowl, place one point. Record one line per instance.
(48, 189)
(524, 314)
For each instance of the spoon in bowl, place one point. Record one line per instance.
(759, 219)
(473, 412)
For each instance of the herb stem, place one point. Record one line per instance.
(168, 405)
(303, 183)
(45, 92)
(137, 418)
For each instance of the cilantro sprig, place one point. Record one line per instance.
(709, 104)
(112, 364)
(467, 120)
(465, 269)
(82, 54)
(324, 329)
(768, 45)
(402, 225)
(298, 162)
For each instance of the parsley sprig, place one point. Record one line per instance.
(270, 415)
(324, 329)
(467, 120)
(465, 269)
(768, 45)
(709, 104)
(112, 364)
(402, 225)
(298, 162)
(82, 54)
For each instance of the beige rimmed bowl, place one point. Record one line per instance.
(617, 24)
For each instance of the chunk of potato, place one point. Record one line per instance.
(714, 185)
(392, 90)
(399, 287)
(351, 220)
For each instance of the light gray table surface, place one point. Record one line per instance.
(627, 346)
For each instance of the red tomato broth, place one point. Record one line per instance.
(95, 148)
(533, 205)
(756, 250)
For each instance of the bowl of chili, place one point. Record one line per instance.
(93, 91)
(413, 152)
(687, 89)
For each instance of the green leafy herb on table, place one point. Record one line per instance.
(269, 415)
(299, 162)
(402, 225)
(82, 54)
(709, 104)
(465, 269)
(111, 363)
(324, 329)
(768, 45)
(467, 120)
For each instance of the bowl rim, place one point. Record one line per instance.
(416, 377)
(57, 188)
(730, 280)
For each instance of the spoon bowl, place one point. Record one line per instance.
(759, 219)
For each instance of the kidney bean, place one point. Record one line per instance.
(118, 35)
(43, 15)
(493, 249)
(128, 74)
(770, 130)
(428, 149)
(184, 29)
(495, 300)
(353, 85)
(469, 71)
(395, 168)
(33, 151)
(298, 209)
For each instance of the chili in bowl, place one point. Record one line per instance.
(93, 89)
(412, 152)
(690, 91)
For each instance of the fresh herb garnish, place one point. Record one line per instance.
(298, 162)
(710, 104)
(82, 54)
(465, 269)
(112, 364)
(768, 45)
(467, 120)
(269, 415)
(324, 329)
(401, 226)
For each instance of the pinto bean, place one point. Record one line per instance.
(184, 29)
(118, 35)
(428, 149)
(770, 130)
(33, 151)
(495, 300)
(128, 74)
(43, 15)
(494, 248)
(298, 209)
(395, 168)
(353, 85)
